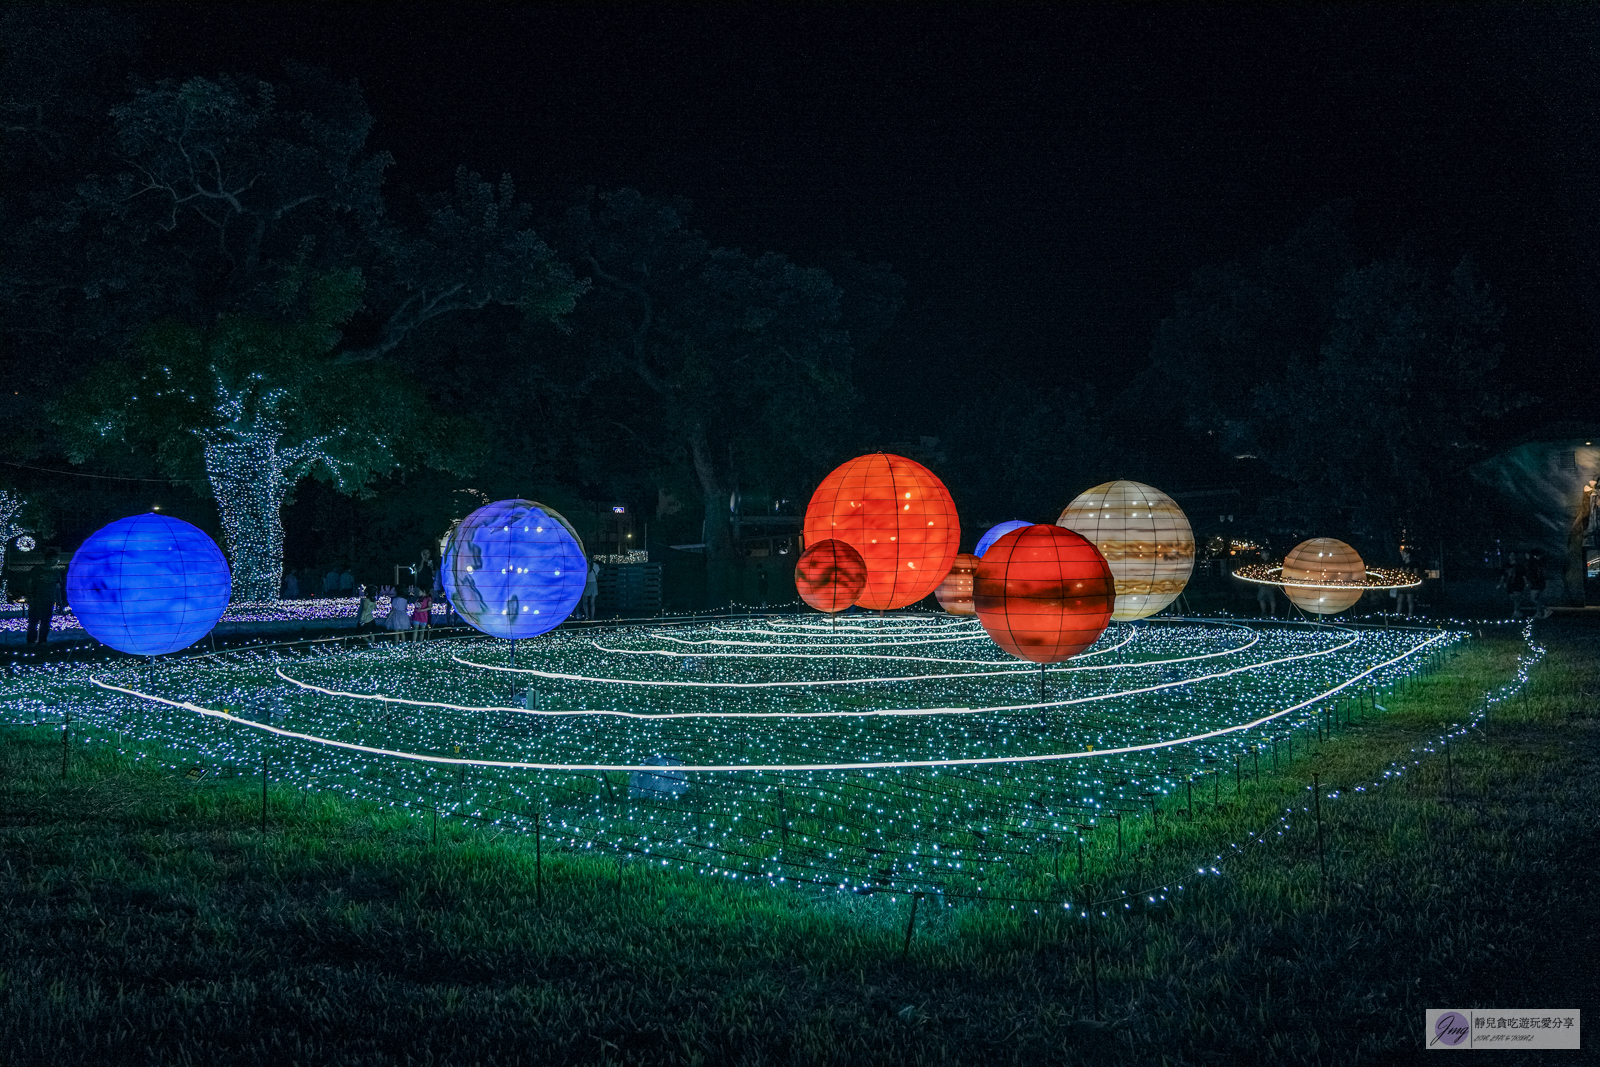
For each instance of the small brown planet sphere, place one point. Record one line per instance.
(1326, 562)
(1144, 535)
(955, 592)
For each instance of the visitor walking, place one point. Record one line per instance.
(421, 612)
(1535, 579)
(291, 587)
(366, 612)
(1513, 577)
(347, 582)
(1406, 598)
(399, 616)
(591, 589)
(44, 596)
(1267, 601)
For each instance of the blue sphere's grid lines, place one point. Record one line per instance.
(960, 830)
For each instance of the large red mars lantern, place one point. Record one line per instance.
(898, 515)
(1044, 593)
(830, 575)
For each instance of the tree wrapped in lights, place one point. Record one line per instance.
(11, 505)
(242, 228)
(253, 405)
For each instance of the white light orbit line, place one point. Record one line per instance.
(1022, 668)
(653, 768)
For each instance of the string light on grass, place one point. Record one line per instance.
(919, 776)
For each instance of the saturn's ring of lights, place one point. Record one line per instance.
(655, 768)
(1377, 578)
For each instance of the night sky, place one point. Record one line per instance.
(1045, 179)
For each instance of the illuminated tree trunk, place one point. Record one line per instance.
(10, 505)
(248, 477)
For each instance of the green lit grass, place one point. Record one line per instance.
(146, 919)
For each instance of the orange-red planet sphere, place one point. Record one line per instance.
(898, 515)
(830, 575)
(1044, 593)
(955, 592)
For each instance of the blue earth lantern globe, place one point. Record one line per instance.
(996, 532)
(148, 584)
(514, 569)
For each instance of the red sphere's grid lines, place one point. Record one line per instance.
(1044, 593)
(898, 515)
(830, 575)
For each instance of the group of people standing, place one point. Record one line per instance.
(409, 615)
(1522, 578)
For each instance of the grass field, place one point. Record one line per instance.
(148, 919)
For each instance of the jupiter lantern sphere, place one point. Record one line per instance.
(829, 575)
(955, 592)
(1144, 536)
(1324, 576)
(1044, 593)
(898, 515)
(148, 584)
(513, 570)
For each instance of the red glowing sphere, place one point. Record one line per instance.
(1044, 593)
(830, 575)
(898, 515)
(955, 592)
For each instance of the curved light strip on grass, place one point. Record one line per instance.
(1010, 673)
(1017, 668)
(862, 713)
(654, 768)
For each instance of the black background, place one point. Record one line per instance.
(1045, 179)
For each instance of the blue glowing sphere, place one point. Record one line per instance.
(514, 569)
(995, 533)
(148, 584)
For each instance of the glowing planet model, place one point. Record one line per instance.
(1324, 576)
(1145, 537)
(1044, 593)
(997, 531)
(898, 515)
(148, 584)
(829, 575)
(512, 569)
(955, 592)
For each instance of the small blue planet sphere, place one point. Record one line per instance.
(995, 533)
(148, 584)
(513, 569)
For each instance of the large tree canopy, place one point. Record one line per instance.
(1364, 388)
(256, 284)
(734, 366)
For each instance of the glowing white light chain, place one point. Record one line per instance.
(862, 765)
(1354, 637)
(1022, 668)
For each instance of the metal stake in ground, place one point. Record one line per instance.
(263, 789)
(538, 860)
(66, 731)
(1316, 799)
(513, 675)
(1094, 972)
(911, 925)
